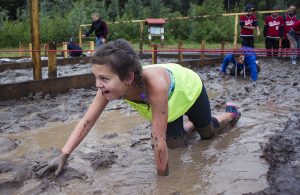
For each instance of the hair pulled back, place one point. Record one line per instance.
(120, 57)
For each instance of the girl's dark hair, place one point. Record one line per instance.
(119, 56)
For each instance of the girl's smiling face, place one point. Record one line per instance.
(109, 83)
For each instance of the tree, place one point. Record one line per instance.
(3, 16)
(113, 10)
(11, 6)
(185, 6)
(155, 8)
(131, 9)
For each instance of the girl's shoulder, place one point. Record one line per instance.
(155, 76)
(153, 72)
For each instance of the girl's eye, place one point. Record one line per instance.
(104, 79)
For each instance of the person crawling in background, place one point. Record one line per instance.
(243, 61)
(74, 50)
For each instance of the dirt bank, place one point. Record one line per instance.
(282, 153)
(117, 158)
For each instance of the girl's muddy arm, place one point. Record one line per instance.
(159, 104)
(86, 123)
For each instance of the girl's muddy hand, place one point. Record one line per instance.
(56, 164)
(164, 172)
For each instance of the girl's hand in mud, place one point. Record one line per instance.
(56, 164)
(161, 155)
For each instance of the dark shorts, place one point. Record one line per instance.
(247, 41)
(200, 115)
(285, 43)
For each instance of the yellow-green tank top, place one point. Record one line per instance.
(188, 87)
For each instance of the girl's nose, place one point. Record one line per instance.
(99, 84)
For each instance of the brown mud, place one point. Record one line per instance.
(22, 75)
(260, 155)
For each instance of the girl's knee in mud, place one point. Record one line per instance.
(162, 93)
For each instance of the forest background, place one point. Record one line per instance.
(60, 19)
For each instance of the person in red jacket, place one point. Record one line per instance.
(294, 38)
(289, 19)
(273, 32)
(248, 23)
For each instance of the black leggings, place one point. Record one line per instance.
(199, 114)
(272, 46)
(247, 41)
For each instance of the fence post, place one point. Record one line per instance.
(30, 50)
(21, 49)
(154, 54)
(92, 47)
(235, 31)
(222, 48)
(80, 36)
(202, 56)
(45, 49)
(141, 36)
(35, 39)
(52, 62)
(180, 55)
(65, 48)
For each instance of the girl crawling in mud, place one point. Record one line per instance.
(161, 93)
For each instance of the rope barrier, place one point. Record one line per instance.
(237, 51)
(258, 52)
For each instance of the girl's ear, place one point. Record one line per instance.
(130, 78)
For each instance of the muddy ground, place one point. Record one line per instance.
(21, 75)
(260, 155)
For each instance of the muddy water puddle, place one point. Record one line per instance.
(205, 167)
(55, 134)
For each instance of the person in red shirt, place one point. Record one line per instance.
(248, 23)
(294, 38)
(289, 19)
(273, 32)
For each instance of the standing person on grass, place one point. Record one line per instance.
(294, 38)
(161, 93)
(289, 19)
(273, 32)
(248, 24)
(100, 28)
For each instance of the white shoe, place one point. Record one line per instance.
(294, 62)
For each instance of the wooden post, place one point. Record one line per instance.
(202, 52)
(45, 49)
(180, 55)
(80, 37)
(35, 38)
(30, 50)
(21, 49)
(154, 54)
(141, 36)
(52, 62)
(235, 31)
(222, 48)
(92, 47)
(65, 48)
